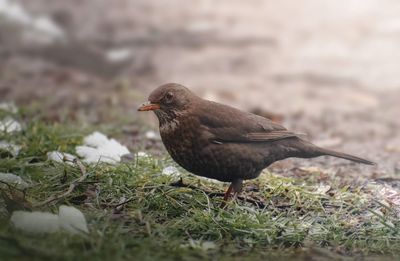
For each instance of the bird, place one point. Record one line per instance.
(221, 142)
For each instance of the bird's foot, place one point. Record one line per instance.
(235, 187)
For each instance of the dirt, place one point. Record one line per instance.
(327, 69)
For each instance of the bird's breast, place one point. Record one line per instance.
(183, 140)
(168, 128)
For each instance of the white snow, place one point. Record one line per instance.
(171, 171)
(118, 55)
(142, 154)
(209, 180)
(98, 148)
(322, 189)
(45, 24)
(58, 156)
(44, 29)
(12, 148)
(389, 194)
(35, 222)
(72, 220)
(8, 106)
(152, 135)
(96, 139)
(69, 219)
(13, 180)
(15, 12)
(9, 125)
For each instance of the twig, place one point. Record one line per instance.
(71, 187)
(122, 203)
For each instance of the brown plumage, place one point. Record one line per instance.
(220, 142)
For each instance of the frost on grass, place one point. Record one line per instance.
(11, 148)
(12, 180)
(9, 125)
(61, 157)
(387, 194)
(69, 219)
(322, 189)
(98, 148)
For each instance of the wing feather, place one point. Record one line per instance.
(227, 124)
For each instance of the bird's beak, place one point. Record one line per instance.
(148, 106)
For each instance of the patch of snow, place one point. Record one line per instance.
(152, 135)
(322, 189)
(72, 220)
(35, 222)
(9, 125)
(16, 13)
(98, 148)
(61, 157)
(12, 148)
(13, 180)
(8, 106)
(142, 154)
(45, 24)
(96, 139)
(198, 244)
(171, 171)
(118, 55)
(209, 180)
(69, 219)
(389, 194)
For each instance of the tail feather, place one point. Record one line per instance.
(345, 156)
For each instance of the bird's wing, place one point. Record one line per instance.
(227, 124)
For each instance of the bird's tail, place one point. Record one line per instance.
(333, 153)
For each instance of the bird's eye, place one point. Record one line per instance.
(168, 97)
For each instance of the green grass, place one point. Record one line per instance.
(165, 222)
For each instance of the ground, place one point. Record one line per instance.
(321, 68)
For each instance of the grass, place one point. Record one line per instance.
(300, 217)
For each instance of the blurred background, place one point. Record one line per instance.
(330, 69)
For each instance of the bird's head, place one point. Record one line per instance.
(168, 101)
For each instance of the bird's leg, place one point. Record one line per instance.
(228, 192)
(237, 186)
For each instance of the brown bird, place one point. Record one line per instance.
(220, 142)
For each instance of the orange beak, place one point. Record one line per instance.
(148, 106)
